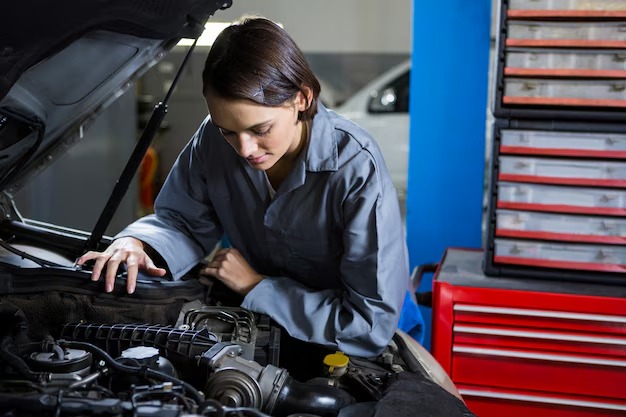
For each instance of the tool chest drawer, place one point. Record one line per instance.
(561, 199)
(596, 34)
(515, 346)
(562, 143)
(547, 317)
(572, 256)
(565, 63)
(577, 5)
(590, 93)
(490, 402)
(540, 370)
(562, 171)
(597, 348)
(560, 227)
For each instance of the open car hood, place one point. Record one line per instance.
(63, 62)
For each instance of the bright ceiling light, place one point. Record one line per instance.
(211, 30)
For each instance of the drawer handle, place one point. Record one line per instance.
(543, 400)
(539, 313)
(587, 360)
(540, 335)
(617, 87)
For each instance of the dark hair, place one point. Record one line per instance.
(256, 59)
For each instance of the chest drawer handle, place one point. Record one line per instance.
(587, 360)
(542, 400)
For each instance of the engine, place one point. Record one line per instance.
(215, 361)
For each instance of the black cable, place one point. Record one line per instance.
(41, 262)
(17, 363)
(101, 389)
(57, 409)
(243, 411)
(139, 371)
(215, 407)
(177, 395)
(19, 382)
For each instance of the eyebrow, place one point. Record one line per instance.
(249, 128)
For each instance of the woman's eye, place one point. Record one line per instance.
(265, 132)
(226, 132)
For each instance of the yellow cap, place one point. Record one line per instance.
(336, 360)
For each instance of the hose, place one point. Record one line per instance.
(134, 370)
(16, 362)
(297, 397)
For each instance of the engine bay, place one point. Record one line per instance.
(178, 348)
(214, 361)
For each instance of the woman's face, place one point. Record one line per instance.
(262, 135)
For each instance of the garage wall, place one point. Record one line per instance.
(349, 26)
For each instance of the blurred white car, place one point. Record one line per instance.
(382, 108)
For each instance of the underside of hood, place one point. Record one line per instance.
(63, 62)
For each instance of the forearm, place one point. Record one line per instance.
(176, 251)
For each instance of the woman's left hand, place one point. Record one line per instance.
(230, 267)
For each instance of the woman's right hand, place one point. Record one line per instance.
(126, 250)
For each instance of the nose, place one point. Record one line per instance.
(246, 145)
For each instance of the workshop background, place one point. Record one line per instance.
(349, 44)
(438, 83)
(352, 45)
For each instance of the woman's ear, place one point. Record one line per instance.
(304, 98)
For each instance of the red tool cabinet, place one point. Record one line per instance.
(526, 347)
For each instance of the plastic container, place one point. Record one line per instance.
(579, 257)
(561, 227)
(562, 143)
(562, 171)
(548, 92)
(555, 30)
(567, 5)
(601, 61)
(561, 199)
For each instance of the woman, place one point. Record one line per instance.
(302, 194)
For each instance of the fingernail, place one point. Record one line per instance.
(109, 287)
(131, 290)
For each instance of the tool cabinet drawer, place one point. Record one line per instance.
(535, 316)
(578, 34)
(540, 371)
(599, 345)
(565, 92)
(565, 63)
(584, 257)
(537, 142)
(562, 171)
(560, 227)
(561, 199)
(607, 5)
(496, 402)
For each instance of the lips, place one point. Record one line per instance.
(257, 160)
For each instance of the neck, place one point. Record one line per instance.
(282, 168)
